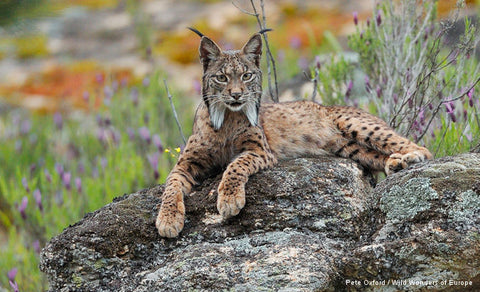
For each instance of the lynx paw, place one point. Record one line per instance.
(397, 161)
(170, 220)
(230, 200)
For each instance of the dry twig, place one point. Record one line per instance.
(262, 23)
(174, 112)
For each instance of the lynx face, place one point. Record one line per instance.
(231, 80)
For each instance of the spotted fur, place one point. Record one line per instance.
(232, 132)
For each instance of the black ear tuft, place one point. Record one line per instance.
(253, 48)
(196, 31)
(209, 51)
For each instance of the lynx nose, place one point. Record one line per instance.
(236, 94)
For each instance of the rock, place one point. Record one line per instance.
(428, 222)
(310, 224)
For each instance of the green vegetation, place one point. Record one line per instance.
(57, 168)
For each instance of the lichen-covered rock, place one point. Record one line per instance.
(308, 225)
(300, 218)
(428, 224)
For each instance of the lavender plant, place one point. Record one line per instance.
(423, 88)
(56, 168)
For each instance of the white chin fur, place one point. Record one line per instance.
(217, 113)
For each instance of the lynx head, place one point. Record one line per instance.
(232, 79)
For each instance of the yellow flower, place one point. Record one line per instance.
(167, 150)
(178, 149)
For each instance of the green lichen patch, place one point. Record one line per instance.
(467, 210)
(405, 201)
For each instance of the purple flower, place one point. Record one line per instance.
(11, 279)
(349, 88)
(318, 64)
(48, 176)
(421, 117)
(395, 98)
(25, 184)
(12, 274)
(451, 111)
(355, 17)
(101, 135)
(146, 81)
(33, 167)
(131, 133)
(23, 207)
(59, 169)
(157, 142)
(295, 42)
(197, 86)
(116, 136)
(99, 78)
(470, 97)
(368, 86)
(58, 120)
(81, 167)
(103, 162)
(37, 195)
(36, 246)
(378, 90)
(25, 127)
(144, 134)
(108, 94)
(115, 85)
(379, 18)
(66, 179)
(303, 63)
(78, 184)
(410, 102)
(134, 96)
(124, 82)
(86, 96)
(153, 160)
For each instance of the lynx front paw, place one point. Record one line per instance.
(397, 161)
(230, 200)
(170, 220)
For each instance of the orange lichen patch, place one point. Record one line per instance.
(58, 87)
(183, 47)
(303, 28)
(445, 7)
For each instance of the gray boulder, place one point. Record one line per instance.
(310, 224)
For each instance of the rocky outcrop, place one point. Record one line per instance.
(312, 224)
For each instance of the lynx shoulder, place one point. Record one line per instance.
(233, 132)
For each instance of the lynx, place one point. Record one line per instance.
(233, 132)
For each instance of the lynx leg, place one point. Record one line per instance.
(373, 133)
(255, 155)
(171, 215)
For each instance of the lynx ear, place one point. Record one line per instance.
(253, 48)
(209, 51)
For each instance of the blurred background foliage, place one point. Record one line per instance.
(85, 117)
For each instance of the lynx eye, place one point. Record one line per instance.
(221, 78)
(247, 76)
